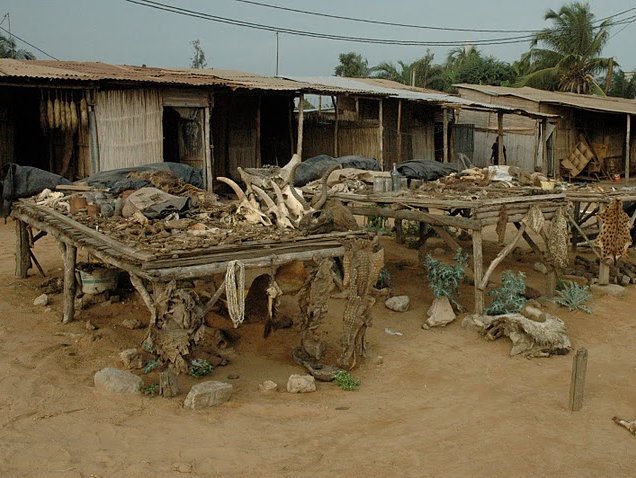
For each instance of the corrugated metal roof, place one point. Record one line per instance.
(97, 71)
(606, 104)
(376, 86)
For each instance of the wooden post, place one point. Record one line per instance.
(399, 132)
(556, 164)
(577, 383)
(603, 272)
(22, 248)
(381, 132)
(290, 118)
(168, 385)
(445, 133)
(399, 232)
(478, 268)
(627, 141)
(544, 146)
(209, 151)
(301, 119)
(335, 127)
(550, 282)
(500, 151)
(259, 159)
(70, 286)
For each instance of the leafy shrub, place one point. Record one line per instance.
(200, 368)
(151, 389)
(509, 298)
(377, 224)
(444, 279)
(346, 381)
(384, 279)
(573, 296)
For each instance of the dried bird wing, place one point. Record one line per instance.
(50, 113)
(83, 113)
(57, 109)
(74, 118)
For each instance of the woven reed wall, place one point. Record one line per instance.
(359, 138)
(129, 128)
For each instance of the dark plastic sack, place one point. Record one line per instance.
(314, 168)
(25, 181)
(425, 169)
(117, 180)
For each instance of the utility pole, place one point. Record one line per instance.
(276, 53)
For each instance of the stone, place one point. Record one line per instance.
(609, 289)
(399, 303)
(625, 280)
(168, 384)
(208, 394)
(301, 384)
(268, 386)
(113, 380)
(132, 324)
(233, 376)
(41, 300)
(379, 360)
(90, 325)
(440, 313)
(540, 267)
(131, 358)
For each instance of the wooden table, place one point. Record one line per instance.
(469, 215)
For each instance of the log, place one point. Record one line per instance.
(70, 285)
(501, 256)
(577, 382)
(414, 215)
(139, 286)
(210, 303)
(168, 385)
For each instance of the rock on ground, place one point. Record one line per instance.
(540, 267)
(41, 300)
(208, 394)
(113, 380)
(131, 358)
(267, 386)
(609, 289)
(399, 303)
(440, 313)
(301, 384)
(132, 324)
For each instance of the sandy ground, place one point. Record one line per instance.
(442, 402)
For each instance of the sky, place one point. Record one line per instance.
(119, 32)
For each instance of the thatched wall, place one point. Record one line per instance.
(129, 128)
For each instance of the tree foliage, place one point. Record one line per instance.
(9, 49)
(566, 56)
(198, 57)
(352, 65)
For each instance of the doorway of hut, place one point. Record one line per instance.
(22, 139)
(183, 136)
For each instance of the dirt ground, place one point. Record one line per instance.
(440, 402)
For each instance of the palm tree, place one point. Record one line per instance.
(422, 72)
(8, 49)
(567, 55)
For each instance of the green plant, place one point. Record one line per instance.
(346, 381)
(573, 296)
(509, 298)
(150, 389)
(151, 365)
(377, 224)
(444, 279)
(200, 368)
(384, 279)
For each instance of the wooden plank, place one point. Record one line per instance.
(335, 127)
(446, 237)
(301, 119)
(445, 134)
(381, 131)
(577, 382)
(500, 146)
(415, 215)
(399, 132)
(627, 146)
(603, 272)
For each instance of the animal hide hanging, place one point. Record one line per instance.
(556, 241)
(614, 238)
(502, 223)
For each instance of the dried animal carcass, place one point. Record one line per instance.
(262, 302)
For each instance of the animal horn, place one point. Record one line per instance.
(320, 202)
(235, 187)
(265, 197)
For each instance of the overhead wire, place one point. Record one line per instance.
(27, 43)
(382, 41)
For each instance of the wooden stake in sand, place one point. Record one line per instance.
(577, 384)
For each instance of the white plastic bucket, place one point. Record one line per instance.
(98, 280)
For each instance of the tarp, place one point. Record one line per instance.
(25, 181)
(314, 168)
(425, 169)
(117, 180)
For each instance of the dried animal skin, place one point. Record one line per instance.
(502, 223)
(74, 118)
(57, 109)
(614, 238)
(50, 113)
(534, 219)
(83, 113)
(557, 240)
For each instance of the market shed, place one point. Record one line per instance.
(593, 132)
(393, 122)
(78, 118)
